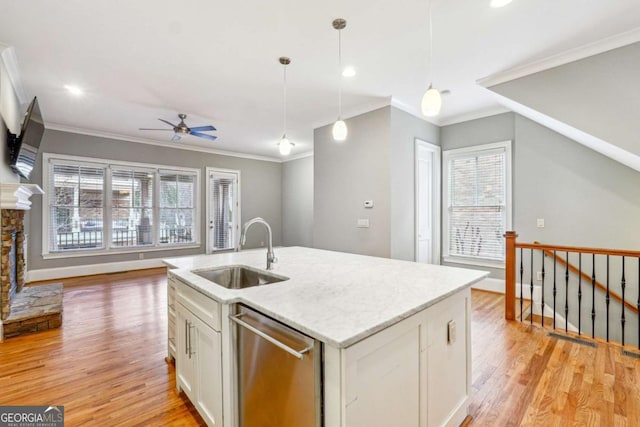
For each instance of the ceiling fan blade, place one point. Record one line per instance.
(169, 123)
(202, 128)
(203, 135)
(154, 129)
(176, 138)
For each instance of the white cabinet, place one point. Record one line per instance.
(414, 373)
(171, 318)
(199, 352)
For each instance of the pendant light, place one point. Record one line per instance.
(432, 99)
(340, 130)
(284, 145)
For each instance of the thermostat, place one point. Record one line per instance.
(368, 203)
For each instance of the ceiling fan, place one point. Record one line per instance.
(182, 129)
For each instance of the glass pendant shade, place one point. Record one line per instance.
(431, 102)
(340, 130)
(285, 146)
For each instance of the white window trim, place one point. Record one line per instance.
(446, 155)
(108, 164)
(237, 212)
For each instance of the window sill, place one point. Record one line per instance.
(477, 262)
(103, 252)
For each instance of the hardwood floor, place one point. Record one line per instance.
(521, 376)
(106, 365)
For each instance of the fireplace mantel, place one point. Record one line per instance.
(16, 196)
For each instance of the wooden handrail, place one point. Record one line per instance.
(510, 267)
(580, 249)
(585, 276)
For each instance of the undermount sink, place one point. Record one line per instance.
(239, 276)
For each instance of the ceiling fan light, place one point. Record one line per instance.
(499, 3)
(431, 102)
(285, 146)
(340, 130)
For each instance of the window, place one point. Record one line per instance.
(98, 206)
(477, 192)
(177, 207)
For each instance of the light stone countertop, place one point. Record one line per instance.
(336, 297)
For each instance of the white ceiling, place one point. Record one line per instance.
(218, 61)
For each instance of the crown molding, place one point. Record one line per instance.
(601, 146)
(298, 157)
(474, 115)
(127, 138)
(562, 58)
(10, 62)
(414, 111)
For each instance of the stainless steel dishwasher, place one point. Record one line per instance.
(279, 373)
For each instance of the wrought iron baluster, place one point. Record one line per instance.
(623, 284)
(555, 289)
(579, 293)
(607, 298)
(531, 287)
(542, 295)
(566, 294)
(593, 295)
(521, 282)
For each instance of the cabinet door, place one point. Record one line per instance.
(185, 362)
(448, 359)
(208, 361)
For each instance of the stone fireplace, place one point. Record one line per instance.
(23, 309)
(11, 257)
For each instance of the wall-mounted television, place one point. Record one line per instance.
(23, 148)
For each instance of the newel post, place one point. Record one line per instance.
(510, 276)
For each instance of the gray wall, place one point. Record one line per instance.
(405, 128)
(345, 175)
(297, 202)
(599, 95)
(261, 189)
(496, 128)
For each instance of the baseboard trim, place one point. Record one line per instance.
(91, 269)
(490, 284)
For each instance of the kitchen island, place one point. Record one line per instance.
(395, 334)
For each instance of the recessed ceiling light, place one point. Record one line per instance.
(500, 3)
(74, 90)
(348, 72)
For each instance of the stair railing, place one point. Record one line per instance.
(520, 265)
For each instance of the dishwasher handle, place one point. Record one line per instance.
(296, 353)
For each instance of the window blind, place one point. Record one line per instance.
(131, 207)
(477, 204)
(177, 207)
(76, 207)
(223, 206)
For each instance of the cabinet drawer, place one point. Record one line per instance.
(199, 304)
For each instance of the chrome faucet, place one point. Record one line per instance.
(271, 257)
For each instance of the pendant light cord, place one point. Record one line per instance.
(340, 74)
(284, 101)
(430, 68)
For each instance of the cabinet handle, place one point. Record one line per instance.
(191, 353)
(186, 337)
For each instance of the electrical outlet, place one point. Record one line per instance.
(141, 255)
(261, 244)
(539, 274)
(540, 222)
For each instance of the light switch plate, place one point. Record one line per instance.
(451, 332)
(368, 203)
(363, 223)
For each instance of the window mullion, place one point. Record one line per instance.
(108, 206)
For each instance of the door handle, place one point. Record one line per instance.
(191, 352)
